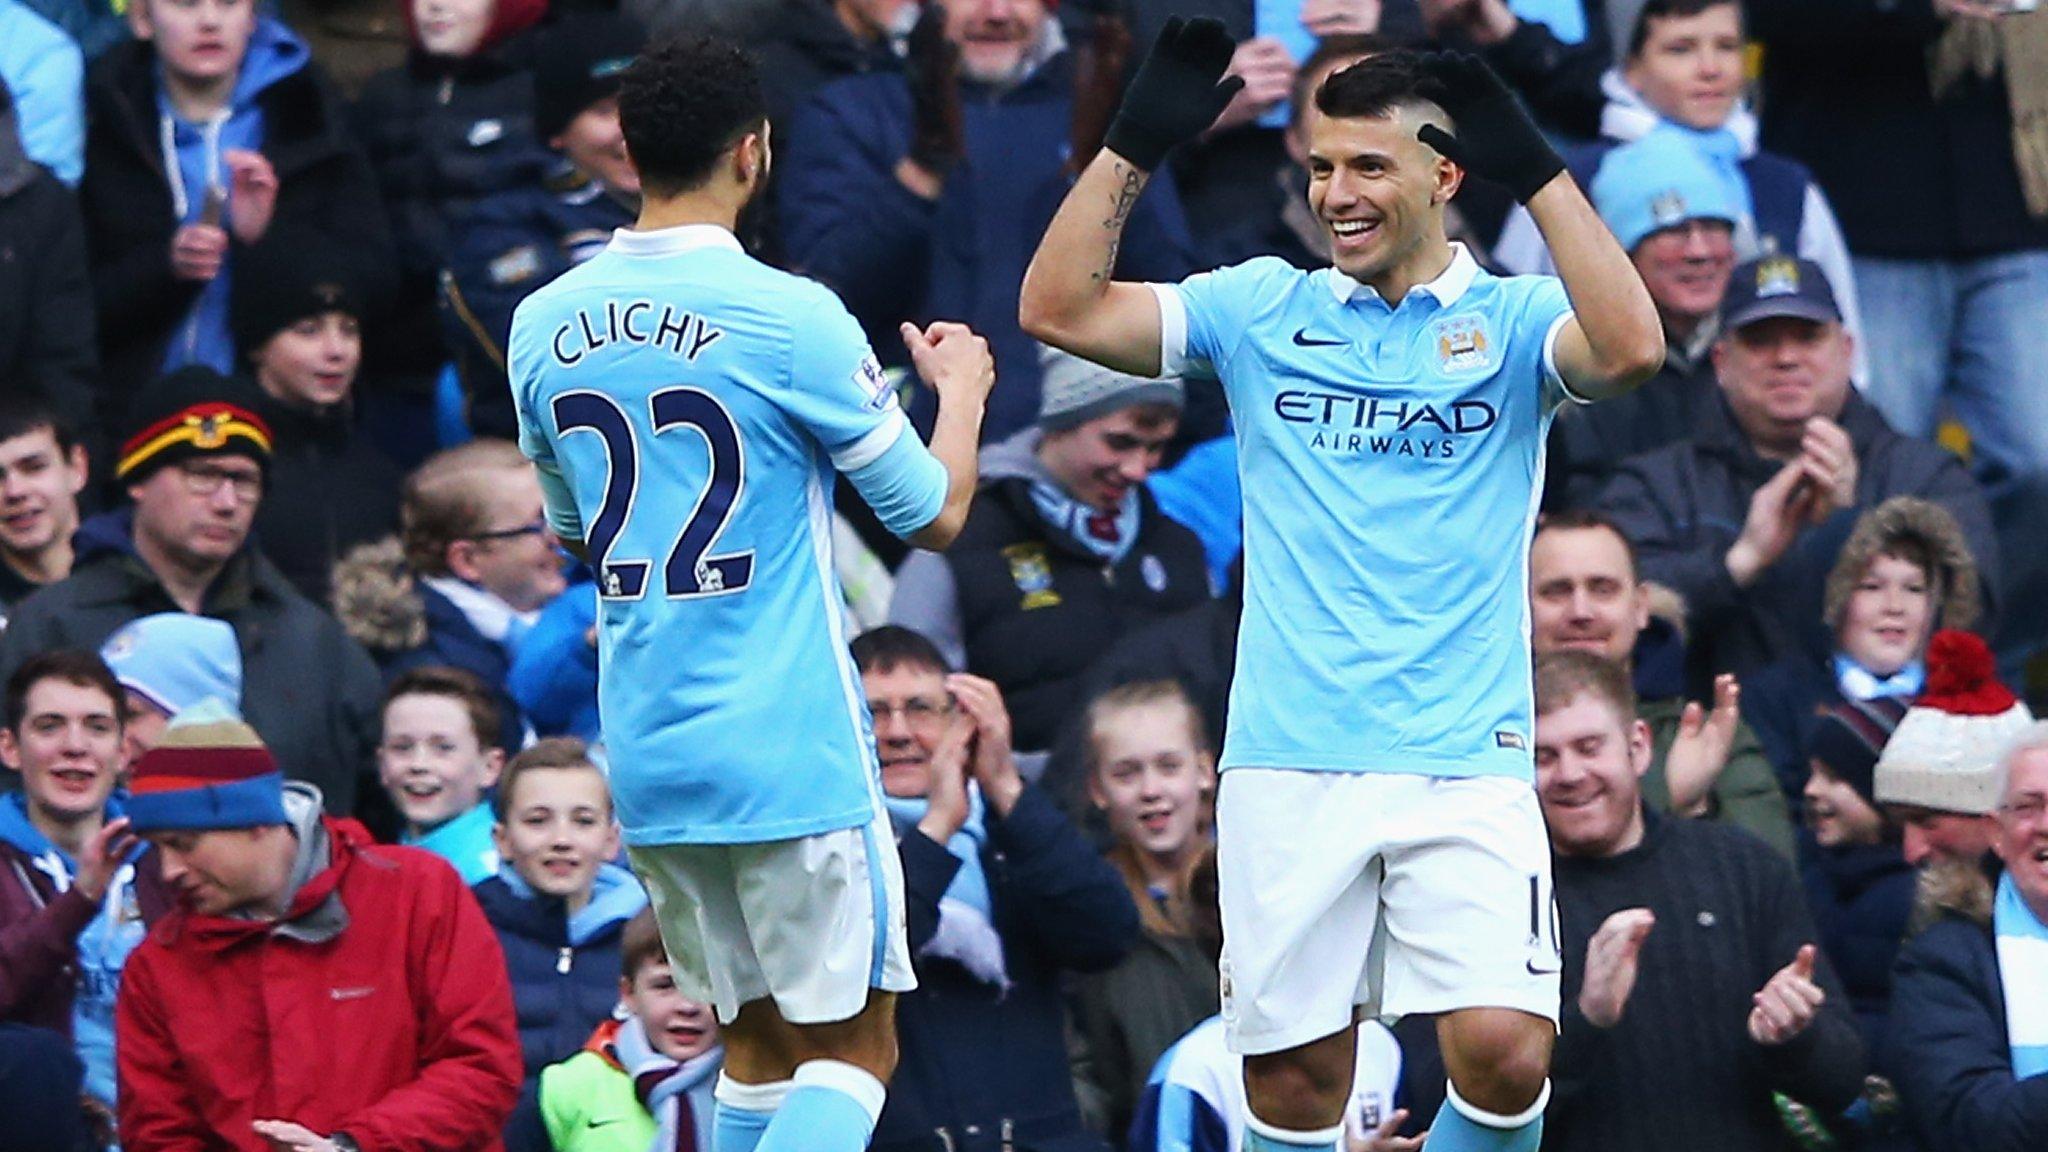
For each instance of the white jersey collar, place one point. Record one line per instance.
(674, 241)
(1448, 287)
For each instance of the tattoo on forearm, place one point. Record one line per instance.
(1130, 181)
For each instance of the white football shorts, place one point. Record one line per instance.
(1398, 893)
(813, 923)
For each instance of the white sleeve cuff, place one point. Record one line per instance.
(869, 448)
(1551, 377)
(1173, 330)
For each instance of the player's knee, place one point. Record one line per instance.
(1301, 1087)
(1500, 1059)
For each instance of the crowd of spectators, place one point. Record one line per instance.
(306, 841)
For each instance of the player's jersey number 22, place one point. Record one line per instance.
(690, 569)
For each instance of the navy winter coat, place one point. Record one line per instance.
(561, 991)
(1947, 1050)
(979, 1065)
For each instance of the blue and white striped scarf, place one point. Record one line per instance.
(2023, 973)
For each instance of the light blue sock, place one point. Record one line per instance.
(1461, 1127)
(832, 1107)
(1260, 1136)
(742, 1113)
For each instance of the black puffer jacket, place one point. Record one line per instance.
(443, 134)
(328, 491)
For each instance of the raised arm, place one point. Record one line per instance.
(1614, 340)
(1069, 299)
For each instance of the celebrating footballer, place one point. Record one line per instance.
(1380, 844)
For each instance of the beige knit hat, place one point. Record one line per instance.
(1944, 755)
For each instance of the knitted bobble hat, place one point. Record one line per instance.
(1944, 754)
(210, 770)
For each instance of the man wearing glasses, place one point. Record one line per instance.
(1968, 1044)
(192, 462)
(1003, 894)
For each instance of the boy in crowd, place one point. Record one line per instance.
(42, 471)
(438, 759)
(644, 1081)
(558, 904)
(68, 913)
(209, 128)
(166, 662)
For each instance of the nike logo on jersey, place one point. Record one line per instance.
(1303, 340)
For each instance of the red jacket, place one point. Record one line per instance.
(399, 1030)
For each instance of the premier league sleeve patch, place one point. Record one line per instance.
(1463, 345)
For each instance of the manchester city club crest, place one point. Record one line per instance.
(1777, 276)
(1031, 571)
(1463, 344)
(1668, 209)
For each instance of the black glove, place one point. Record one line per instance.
(1178, 93)
(1496, 137)
(932, 66)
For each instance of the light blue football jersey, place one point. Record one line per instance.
(1391, 461)
(694, 403)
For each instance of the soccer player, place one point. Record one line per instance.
(1380, 843)
(687, 406)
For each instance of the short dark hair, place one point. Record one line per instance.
(1379, 85)
(1589, 520)
(893, 646)
(556, 753)
(465, 688)
(71, 665)
(640, 945)
(1639, 35)
(1328, 50)
(26, 409)
(682, 104)
(1568, 673)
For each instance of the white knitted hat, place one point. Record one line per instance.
(1944, 755)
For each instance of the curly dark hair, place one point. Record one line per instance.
(1378, 85)
(682, 104)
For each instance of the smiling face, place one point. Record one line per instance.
(995, 37)
(198, 41)
(677, 1027)
(1686, 269)
(1583, 593)
(39, 487)
(558, 830)
(432, 761)
(514, 555)
(1888, 617)
(596, 145)
(911, 708)
(1589, 766)
(1098, 462)
(224, 870)
(312, 362)
(451, 27)
(1930, 835)
(1690, 67)
(1780, 373)
(68, 750)
(1378, 192)
(2023, 827)
(1150, 778)
(1838, 815)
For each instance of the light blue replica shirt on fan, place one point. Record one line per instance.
(1391, 461)
(687, 406)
